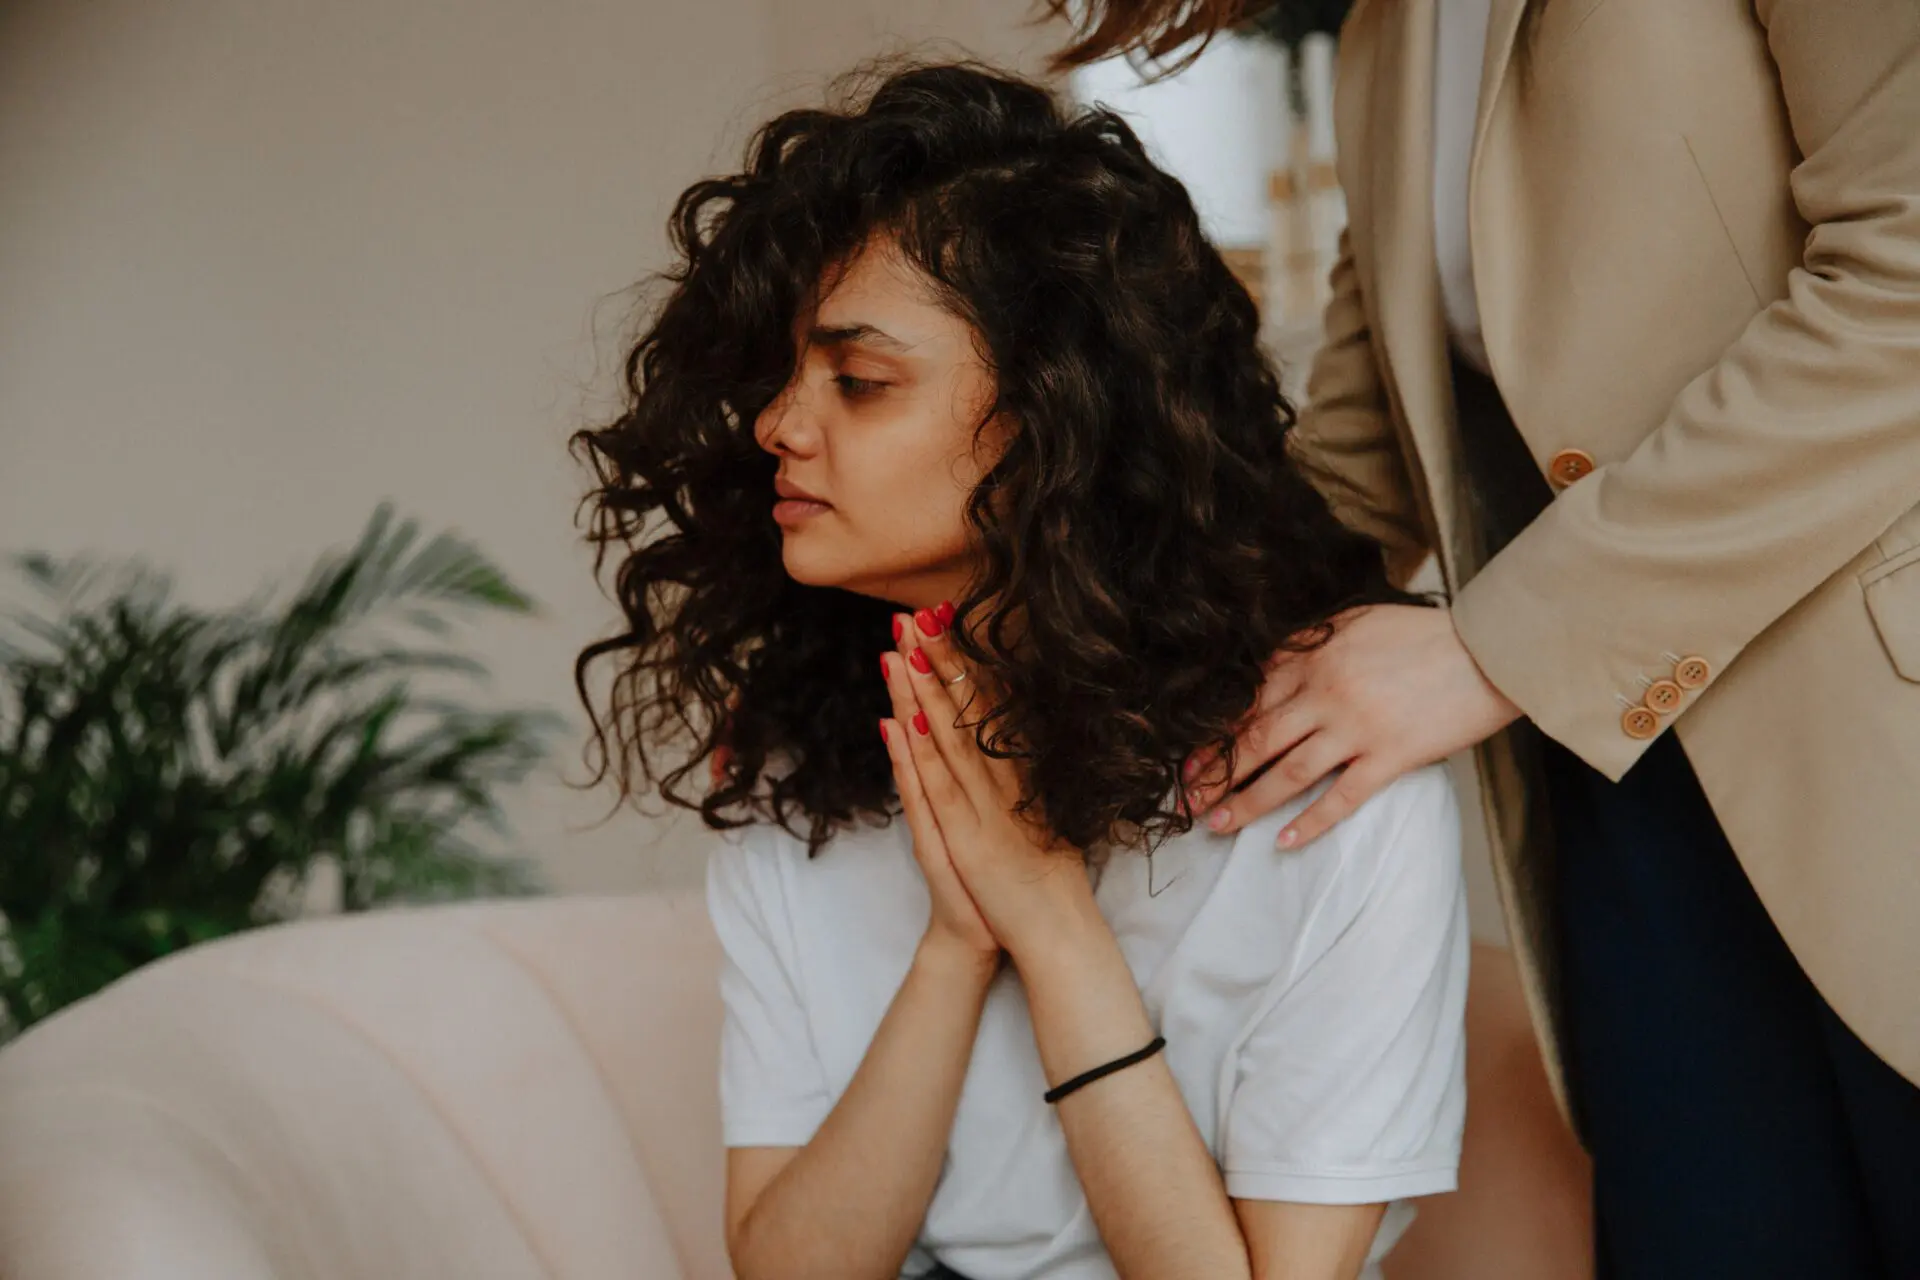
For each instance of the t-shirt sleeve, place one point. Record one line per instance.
(773, 1090)
(1350, 1087)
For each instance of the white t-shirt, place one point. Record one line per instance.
(1312, 1002)
(1460, 52)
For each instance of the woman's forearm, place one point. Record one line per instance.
(850, 1203)
(1154, 1189)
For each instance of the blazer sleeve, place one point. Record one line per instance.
(1776, 466)
(1345, 441)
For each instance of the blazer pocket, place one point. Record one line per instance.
(1893, 601)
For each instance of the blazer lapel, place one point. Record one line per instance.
(1503, 32)
(1406, 282)
(1491, 214)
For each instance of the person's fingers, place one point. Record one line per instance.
(962, 684)
(1286, 679)
(951, 804)
(1263, 739)
(956, 742)
(932, 633)
(1297, 771)
(946, 797)
(929, 846)
(929, 647)
(895, 670)
(1350, 790)
(1286, 671)
(923, 817)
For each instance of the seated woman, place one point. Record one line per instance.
(951, 377)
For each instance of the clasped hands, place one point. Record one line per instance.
(999, 880)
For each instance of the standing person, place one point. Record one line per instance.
(1626, 330)
(953, 491)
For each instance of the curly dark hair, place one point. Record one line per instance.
(1173, 33)
(1145, 542)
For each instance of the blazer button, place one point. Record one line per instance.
(1664, 696)
(1640, 724)
(1692, 673)
(1569, 466)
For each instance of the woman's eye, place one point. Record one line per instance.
(854, 387)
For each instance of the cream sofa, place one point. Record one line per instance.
(513, 1091)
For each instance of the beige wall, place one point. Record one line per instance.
(265, 264)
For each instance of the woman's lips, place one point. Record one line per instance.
(793, 511)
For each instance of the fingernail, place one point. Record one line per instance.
(1287, 838)
(920, 723)
(945, 613)
(1191, 767)
(928, 624)
(920, 662)
(1219, 819)
(883, 733)
(897, 628)
(885, 672)
(1194, 795)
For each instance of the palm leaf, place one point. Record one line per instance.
(169, 773)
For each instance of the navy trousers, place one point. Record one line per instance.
(1737, 1127)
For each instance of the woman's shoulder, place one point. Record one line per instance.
(1410, 827)
(1398, 855)
(1422, 807)
(768, 843)
(766, 866)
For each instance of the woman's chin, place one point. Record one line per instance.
(815, 566)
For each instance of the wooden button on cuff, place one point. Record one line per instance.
(1640, 724)
(1568, 466)
(1664, 696)
(1692, 673)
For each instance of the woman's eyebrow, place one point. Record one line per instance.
(865, 334)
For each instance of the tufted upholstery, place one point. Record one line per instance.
(504, 1092)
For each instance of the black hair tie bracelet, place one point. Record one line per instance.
(1081, 1081)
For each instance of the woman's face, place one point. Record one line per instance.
(876, 437)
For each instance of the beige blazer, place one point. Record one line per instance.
(1696, 232)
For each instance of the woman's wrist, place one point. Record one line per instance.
(1085, 1003)
(947, 957)
(1056, 920)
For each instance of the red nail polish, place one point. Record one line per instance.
(883, 732)
(896, 628)
(885, 672)
(920, 662)
(920, 723)
(944, 613)
(928, 624)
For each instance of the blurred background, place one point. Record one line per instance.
(268, 265)
(299, 304)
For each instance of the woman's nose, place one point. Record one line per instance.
(786, 426)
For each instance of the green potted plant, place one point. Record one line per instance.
(170, 774)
